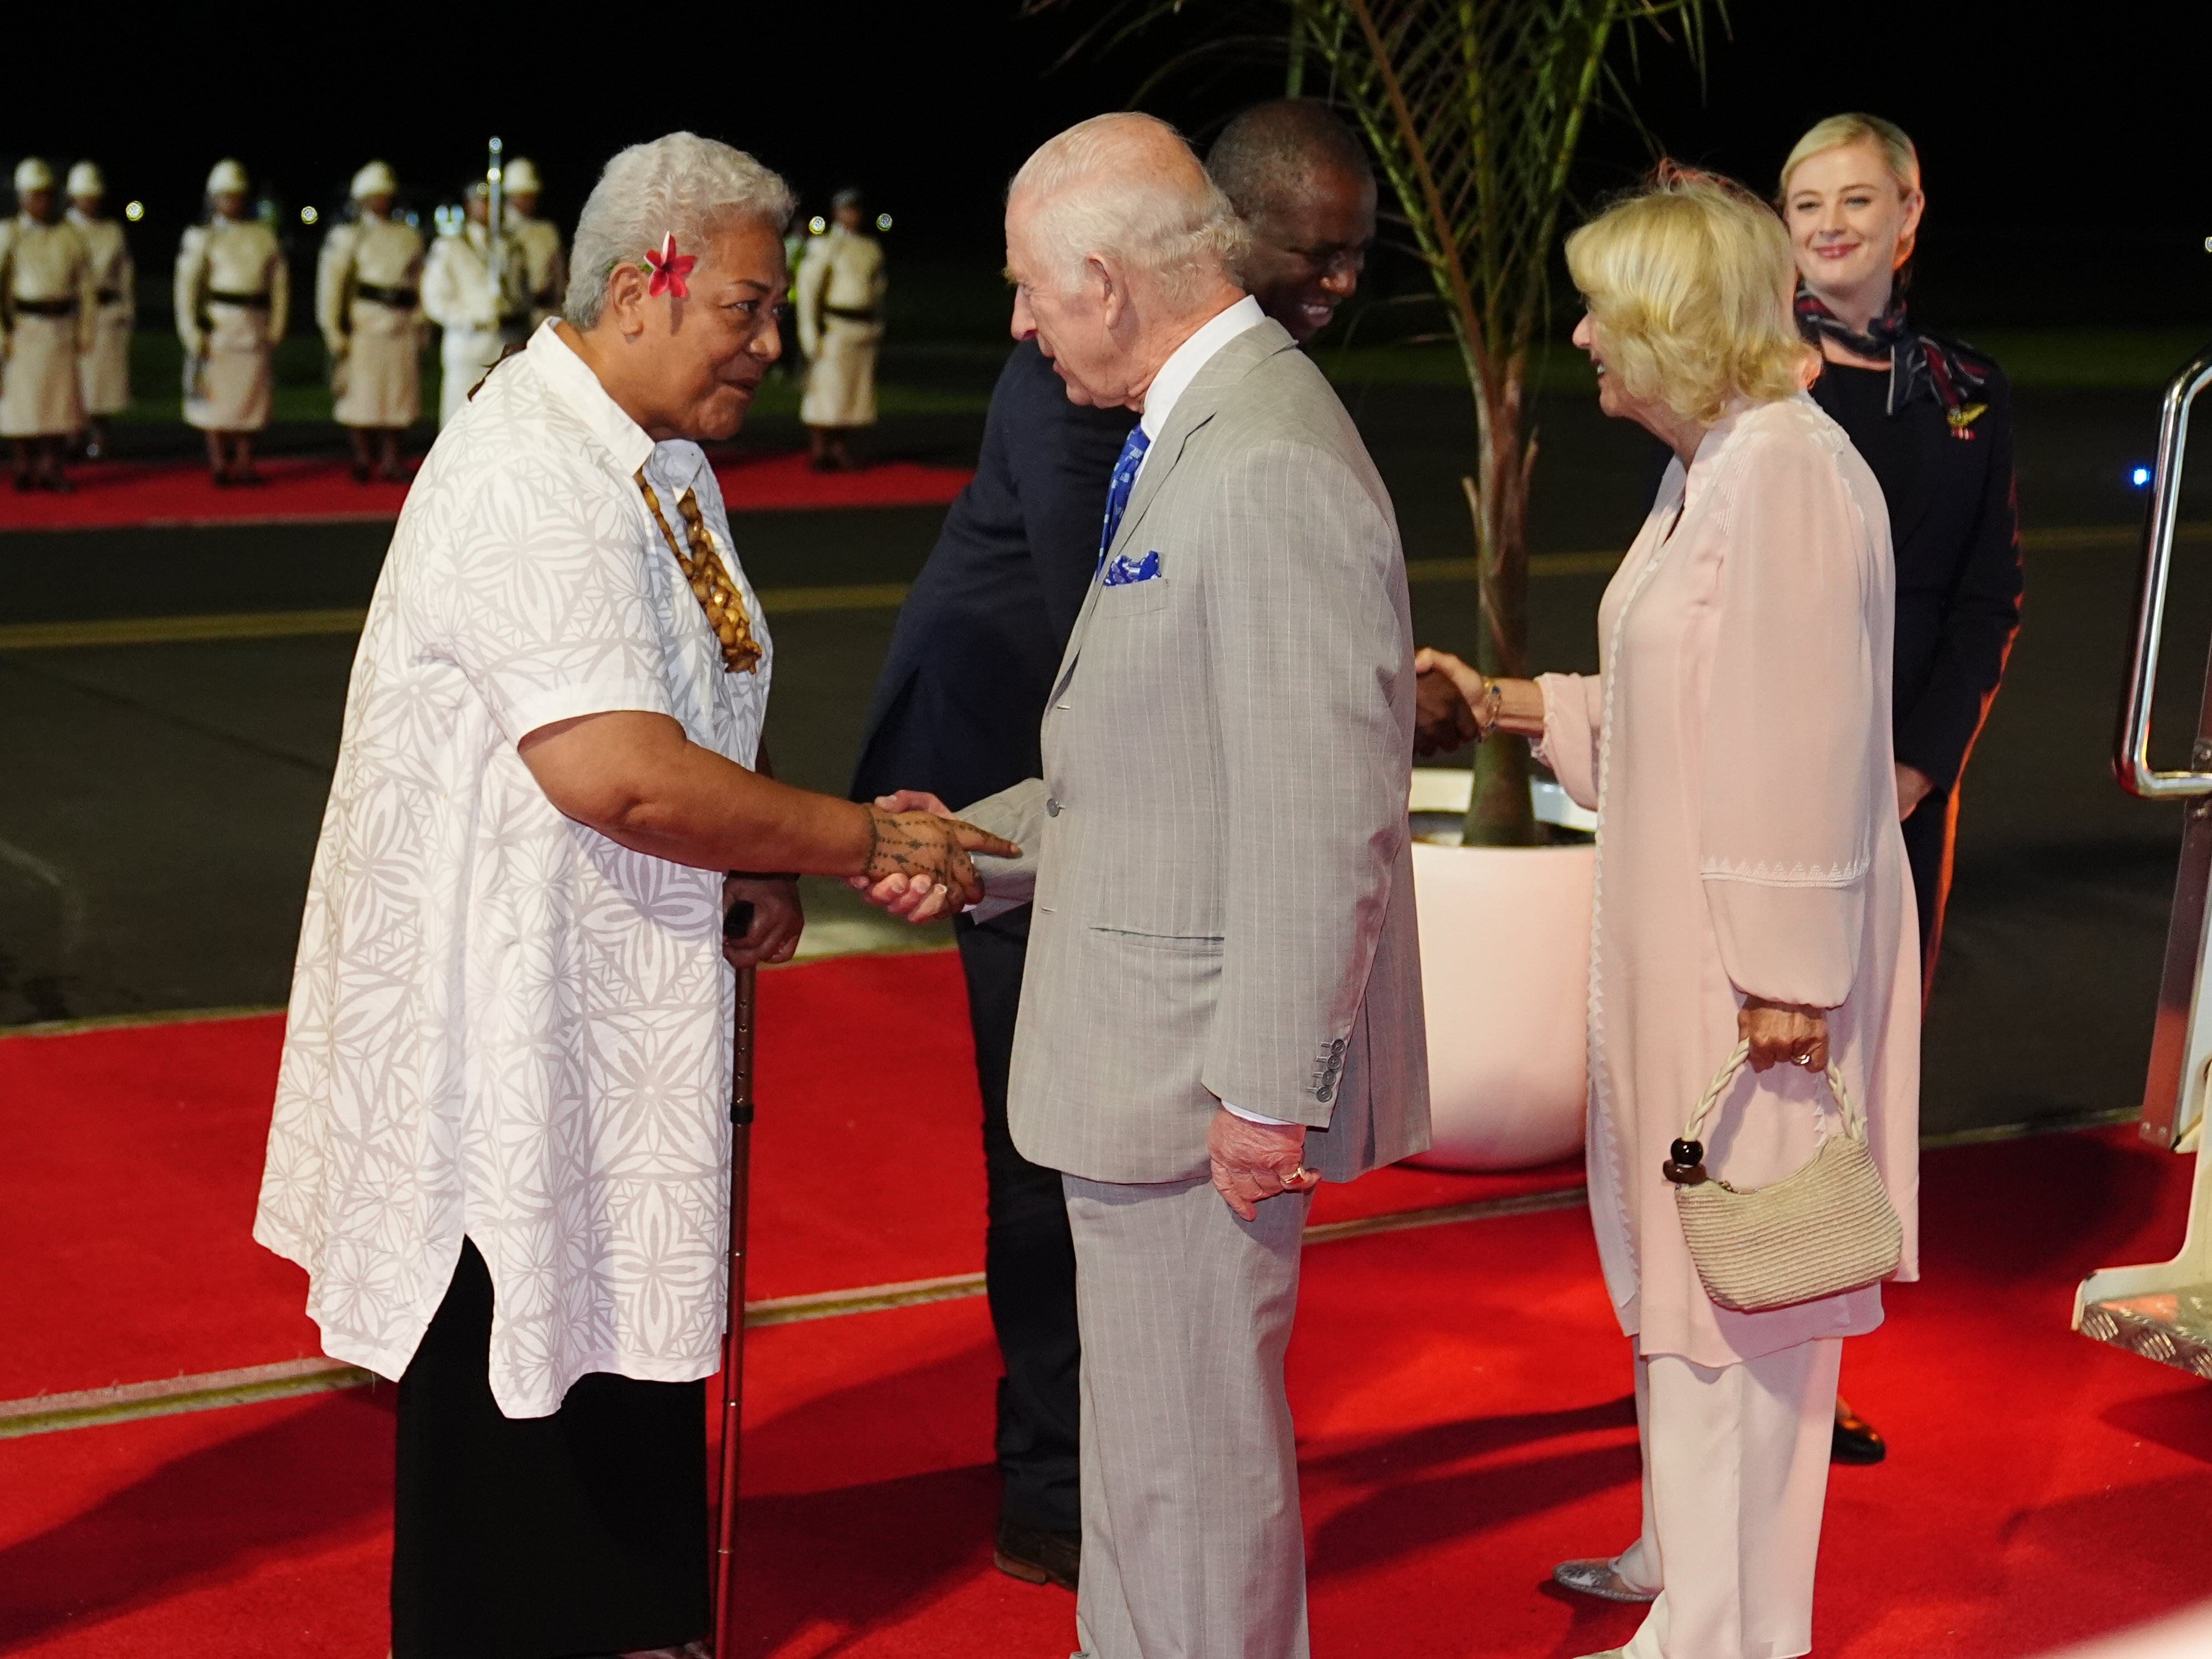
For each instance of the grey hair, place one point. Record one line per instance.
(680, 184)
(1090, 201)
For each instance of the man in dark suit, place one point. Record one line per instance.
(957, 710)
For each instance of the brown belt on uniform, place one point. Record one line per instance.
(850, 314)
(399, 299)
(44, 308)
(111, 296)
(216, 296)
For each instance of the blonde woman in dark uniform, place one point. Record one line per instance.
(1933, 419)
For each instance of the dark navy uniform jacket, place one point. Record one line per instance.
(1956, 530)
(980, 636)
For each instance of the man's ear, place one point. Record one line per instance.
(625, 301)
(1108, 285)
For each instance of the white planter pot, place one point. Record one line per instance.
(1505, 937)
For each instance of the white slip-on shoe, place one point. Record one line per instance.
(1594, 1576)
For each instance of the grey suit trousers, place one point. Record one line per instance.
(1193, 1547)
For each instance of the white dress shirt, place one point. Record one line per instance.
(503, 1024)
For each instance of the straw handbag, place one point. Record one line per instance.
(1826, 1228)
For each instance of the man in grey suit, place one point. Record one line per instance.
(1224, 975)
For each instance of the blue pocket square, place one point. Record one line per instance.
(1122, 572)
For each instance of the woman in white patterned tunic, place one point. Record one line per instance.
(1751, 886)
(501, 1141)
(233, 298)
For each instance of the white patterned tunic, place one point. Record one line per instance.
(504, 1025)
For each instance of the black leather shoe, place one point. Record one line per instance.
(1856, 1441)
(1037, 1556)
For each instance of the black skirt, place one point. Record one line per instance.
(583, 1532)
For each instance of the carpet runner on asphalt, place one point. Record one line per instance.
(1462, 1394)
(134, 1159)
(320, 491)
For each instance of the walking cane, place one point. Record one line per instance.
(736, 924)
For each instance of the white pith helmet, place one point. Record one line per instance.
(84, 180)
(229, 179)
(374, 180)
(520, 177)
(31, 173)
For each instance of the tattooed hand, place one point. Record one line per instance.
(919, 867)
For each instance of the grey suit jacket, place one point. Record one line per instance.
(1217, 849)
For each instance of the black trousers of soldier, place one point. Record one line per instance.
(1029, 1257)
(541, 1538)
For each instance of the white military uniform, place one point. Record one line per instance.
(480, 313)
(368, 305)
(545, 264)
(104, 370)
(234, 296)
(47, 305)
(840, 297)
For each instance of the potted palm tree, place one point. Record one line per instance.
(1474, 110)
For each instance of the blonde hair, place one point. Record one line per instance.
(1687, 283)
(1898, 153)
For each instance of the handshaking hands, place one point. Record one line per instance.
(919, 868)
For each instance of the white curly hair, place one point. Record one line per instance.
(679, 183)
(1096, 192)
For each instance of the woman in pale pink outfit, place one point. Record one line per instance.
(1751, 884)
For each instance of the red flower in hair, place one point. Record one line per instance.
(669, 269)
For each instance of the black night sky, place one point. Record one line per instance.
(2066, 157)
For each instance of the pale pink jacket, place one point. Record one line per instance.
(1735, 746)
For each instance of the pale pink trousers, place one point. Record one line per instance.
(1735, 1473)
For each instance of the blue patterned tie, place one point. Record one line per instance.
(1125, 479)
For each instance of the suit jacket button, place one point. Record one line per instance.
(1051, 807)
(1337, 1047)
(1325, 1093)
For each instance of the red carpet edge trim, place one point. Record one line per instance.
(252, 1384)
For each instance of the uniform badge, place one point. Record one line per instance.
(1962, 419)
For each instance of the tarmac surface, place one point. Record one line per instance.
(159, 801)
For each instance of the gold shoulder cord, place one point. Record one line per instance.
(717, 595)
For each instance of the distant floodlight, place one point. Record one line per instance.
(308, 216)
(883, 221)
(134, 211)
(2140, 477)
(816, 225)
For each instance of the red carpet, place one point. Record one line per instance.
(1461, 1394)
(312, 491)
(134, 1157)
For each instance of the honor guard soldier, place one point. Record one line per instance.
(545, 262)
(104, 370)
(475, 288)
(46, 304)
(234, 296)
(841, 297)
(368, 305)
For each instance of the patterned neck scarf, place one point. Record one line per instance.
(1918, 364)
(710, 584)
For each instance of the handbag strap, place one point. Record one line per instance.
(1854, 1119)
